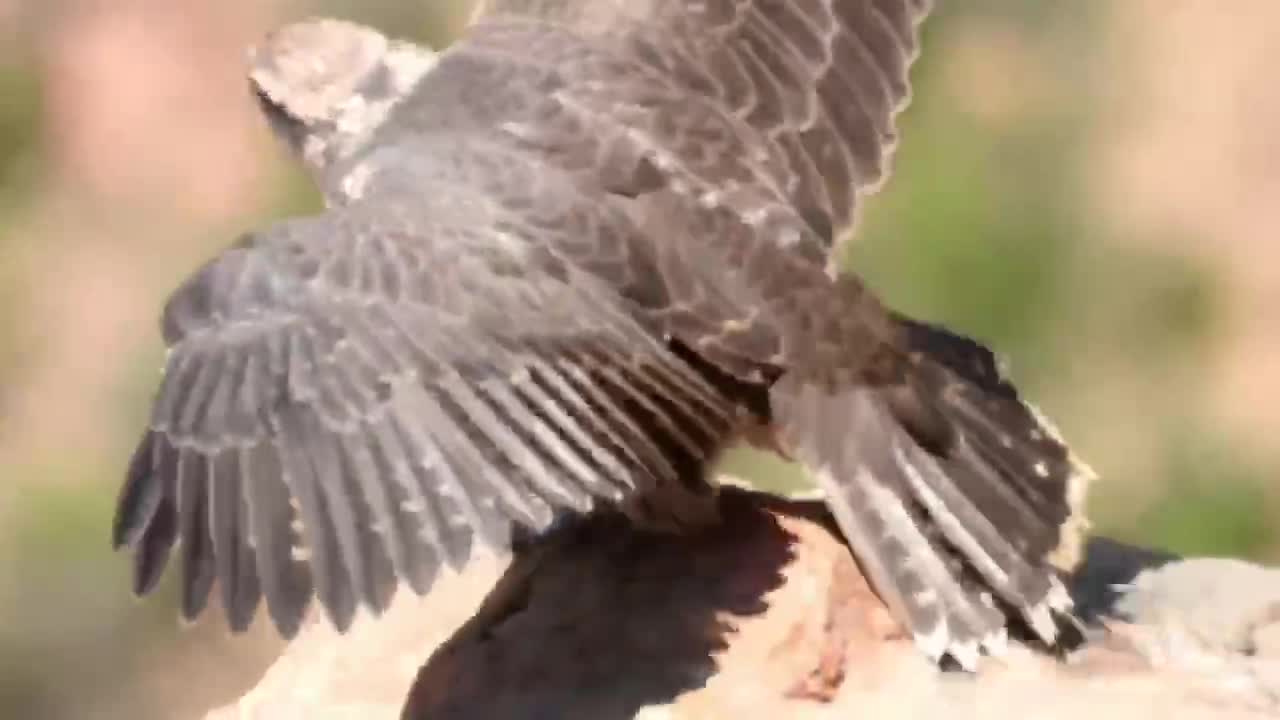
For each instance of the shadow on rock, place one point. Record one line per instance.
(605, 619)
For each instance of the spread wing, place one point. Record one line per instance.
(749, 103)
(357, 397)
(737, 135)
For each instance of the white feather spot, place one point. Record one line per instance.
(925, 598)
(354, 115)
(755, 217)
(997, 643)
(408, 63)
(966, 654)
(313, 150)
(1058, 597)
(355, 182)
(518, 130)
(789, 238)
(1041, 621)
(934, 643)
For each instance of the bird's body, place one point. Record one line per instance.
(564, 265)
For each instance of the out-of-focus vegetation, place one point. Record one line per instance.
(128, 153)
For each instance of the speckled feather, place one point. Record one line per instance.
(566, 263)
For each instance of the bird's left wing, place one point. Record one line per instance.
(356, 397)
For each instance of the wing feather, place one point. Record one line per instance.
(457, 359)
(815, 86)
(521, 459)
(362, 492)
(306, 477)
(548, 396)
(565, 379)
(285, 577)
(557, 454)
(233, 555)
(198, 564)
(466, 464)
(417, 527)
(140, 497)
(155, 540)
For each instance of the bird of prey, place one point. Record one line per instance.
(562, 265)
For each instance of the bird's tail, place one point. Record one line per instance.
(960, 501)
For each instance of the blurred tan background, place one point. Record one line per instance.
(1092, 187)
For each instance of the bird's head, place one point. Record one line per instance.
(325, 85)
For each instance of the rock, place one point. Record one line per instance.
(767, 616)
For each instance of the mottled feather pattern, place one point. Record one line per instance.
(589, 248)
(1040, 484)
(378, 416)
(601, 107)
(820, 82)
(946, 566)
(953, 528)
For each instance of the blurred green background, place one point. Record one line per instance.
(1094, 188)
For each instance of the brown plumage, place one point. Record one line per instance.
(565, 263)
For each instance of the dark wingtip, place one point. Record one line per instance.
(291, 600)
(139, 497)
(195, 594)
(288, 621)
(342, 612)
(239, 624)
(152, 550)
(241, 594)
(240, 614)
(421, 575)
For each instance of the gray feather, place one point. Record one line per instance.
(555, 270)
(198, 564)
(286, 581)
(322, 535)
(229, 528)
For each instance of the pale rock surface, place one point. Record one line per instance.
(768, 616)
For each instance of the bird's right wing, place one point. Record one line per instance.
(815, 84)
(737, 136)
(355, 397)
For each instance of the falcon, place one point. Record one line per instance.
(563, 265)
